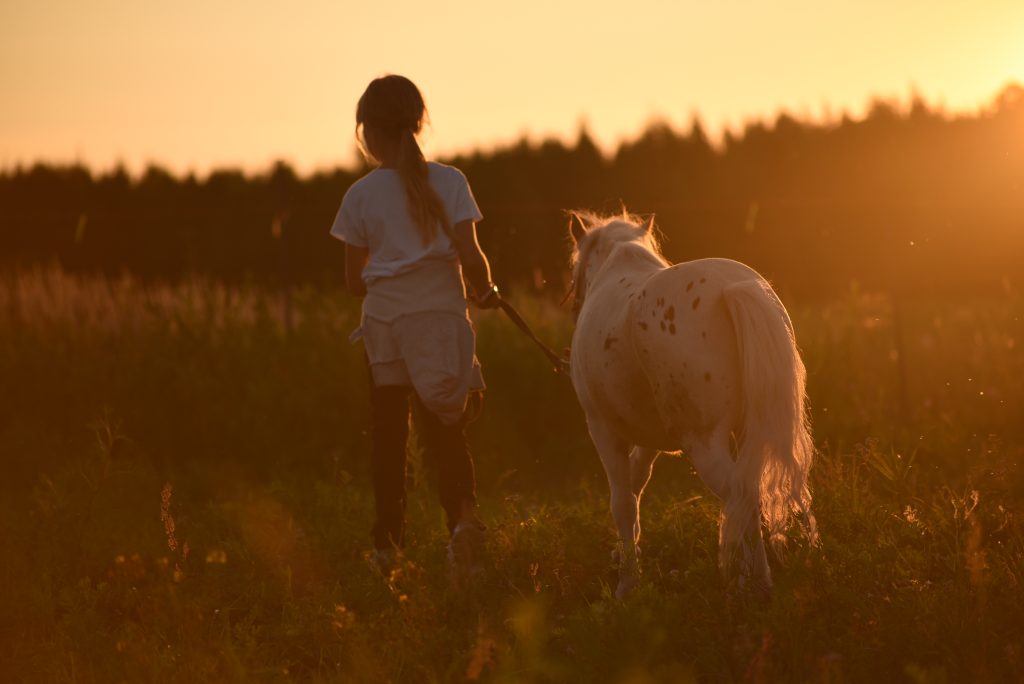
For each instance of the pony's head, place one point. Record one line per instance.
(595, 236)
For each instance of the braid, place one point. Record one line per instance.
(425, 205)
(392, 105)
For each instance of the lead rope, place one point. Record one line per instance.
(561, 363)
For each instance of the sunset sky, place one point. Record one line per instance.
(197, 85)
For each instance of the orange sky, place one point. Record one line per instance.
(201, 84)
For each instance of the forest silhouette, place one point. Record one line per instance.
(907, 199)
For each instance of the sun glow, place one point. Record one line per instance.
(196, 85)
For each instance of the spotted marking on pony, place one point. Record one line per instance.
(689, 286)
(696, 303)
(670, 313)
(609, 342)
(643, 326)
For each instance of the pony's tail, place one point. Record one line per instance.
(775, 448)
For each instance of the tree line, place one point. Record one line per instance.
(906, 198)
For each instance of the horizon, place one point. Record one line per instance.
(202, 86)
(831, 118)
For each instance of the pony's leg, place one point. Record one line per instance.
(624, 503)
(744, 560)
(641, 464)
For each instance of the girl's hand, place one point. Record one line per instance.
(475, 268)
(489, 298)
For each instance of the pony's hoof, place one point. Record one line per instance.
(617, 555)
(626, 587)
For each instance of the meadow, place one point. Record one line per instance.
(186, 498)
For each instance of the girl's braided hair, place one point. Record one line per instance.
(392, 107)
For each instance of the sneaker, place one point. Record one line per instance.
(466, 551)
(384, 560)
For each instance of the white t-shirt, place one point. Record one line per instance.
(402, 275)
(374, 213)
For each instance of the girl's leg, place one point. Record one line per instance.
(445, 446)
(389, 410)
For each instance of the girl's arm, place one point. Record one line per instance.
(474, 262)
(355, 262)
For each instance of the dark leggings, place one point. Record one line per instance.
(444, 446)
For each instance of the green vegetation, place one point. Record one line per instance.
(186, 499)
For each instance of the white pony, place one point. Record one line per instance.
(698, 357)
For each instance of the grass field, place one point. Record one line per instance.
(186, 499)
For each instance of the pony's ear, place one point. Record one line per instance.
(648, 225)
(577, 229)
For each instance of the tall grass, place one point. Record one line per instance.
(186, 498)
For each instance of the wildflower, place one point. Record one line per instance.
(343, 617)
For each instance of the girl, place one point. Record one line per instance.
(409, 228)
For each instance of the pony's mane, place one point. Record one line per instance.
(625, 231)
(624, 227)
